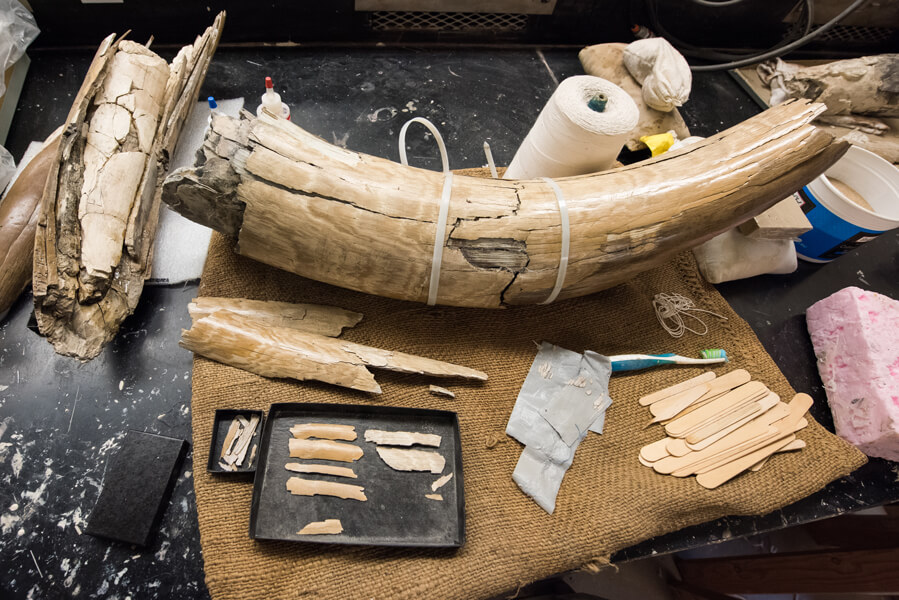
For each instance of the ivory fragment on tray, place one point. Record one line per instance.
(328, 526)
(328, 431)
(412, 460)
(270, 351)
(310, 487)
(441, 481)
(324, 449)
(401, 438)
(438, 497)
(321, 470)
(311, 318)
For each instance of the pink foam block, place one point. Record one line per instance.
(856, 339)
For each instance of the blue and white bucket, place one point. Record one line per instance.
(841, 225)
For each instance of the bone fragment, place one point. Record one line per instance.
(412, 460)
(310, 487)
(324, 449)
(401, 438)
(328, 526)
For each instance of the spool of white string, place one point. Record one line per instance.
(569, 137)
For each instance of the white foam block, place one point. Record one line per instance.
(181, 244)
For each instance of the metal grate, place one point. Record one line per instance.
(446, 21)
(853, 34)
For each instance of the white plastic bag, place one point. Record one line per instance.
(732, 255)
(17, 31)
(661, 70)
(7, 168)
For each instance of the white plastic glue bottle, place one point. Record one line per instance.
(272, 102)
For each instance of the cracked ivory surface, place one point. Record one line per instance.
(119, 139)
(564, 395)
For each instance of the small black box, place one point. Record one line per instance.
(137, 487)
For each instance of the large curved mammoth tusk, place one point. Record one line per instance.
(294, 201)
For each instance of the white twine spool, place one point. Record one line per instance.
(671, 310)
(569, 137)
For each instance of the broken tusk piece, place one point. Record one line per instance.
(434, 497)
(436, 390)
(309, 487)
(327, 431)
(328, 526)
(441, 482)
(412, 460)
(321, 470)
(401, 438)
(324, 449)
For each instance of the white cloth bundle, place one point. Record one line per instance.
(662, 71)
(732, 255)
(569, 138)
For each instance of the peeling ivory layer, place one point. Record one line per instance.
(564, 395)
(328, 431)
(441, 482)
(434, 497)
(324, 450)
(401, 438)
(311, 318)
(328, 526)
(245, 343)
(321, 470)
(436, 390)
(310, 487)
(412, 460)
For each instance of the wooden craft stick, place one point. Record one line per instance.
(727, 382)
(310, 487)
(716, 477)
(677, 447)
(681, 426)
(672, 405)
(799, 405)
(792, 446)
(777, 412)
(783, 429)
(741, 415)
(655, 451)
(695, 406)
(321, 470)
(644, 462)
(750, 432)
(674, 389)
(727, 412)
(324, 449)
(328, 431)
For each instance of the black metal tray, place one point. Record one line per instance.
(220, 425)
(396, 512)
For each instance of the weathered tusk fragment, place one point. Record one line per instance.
(438, 497)
(324, 449)
(269, 351)
(412, 460)
(441, 482)
(311, 318)
(321, 470)
(310, 487)
(328, 526)
(401, 438)
(328, 431)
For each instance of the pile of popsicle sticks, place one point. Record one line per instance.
(719, 427)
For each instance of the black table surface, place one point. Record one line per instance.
(61, 420)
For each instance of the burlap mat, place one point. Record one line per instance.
(608, 501)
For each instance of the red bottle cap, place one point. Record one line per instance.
(268, 83)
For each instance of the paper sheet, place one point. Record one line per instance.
(181, 244)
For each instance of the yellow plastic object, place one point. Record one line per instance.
(659, 143)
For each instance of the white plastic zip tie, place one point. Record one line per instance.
(439, 240)
(566, 239)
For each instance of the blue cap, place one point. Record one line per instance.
(211, 101)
